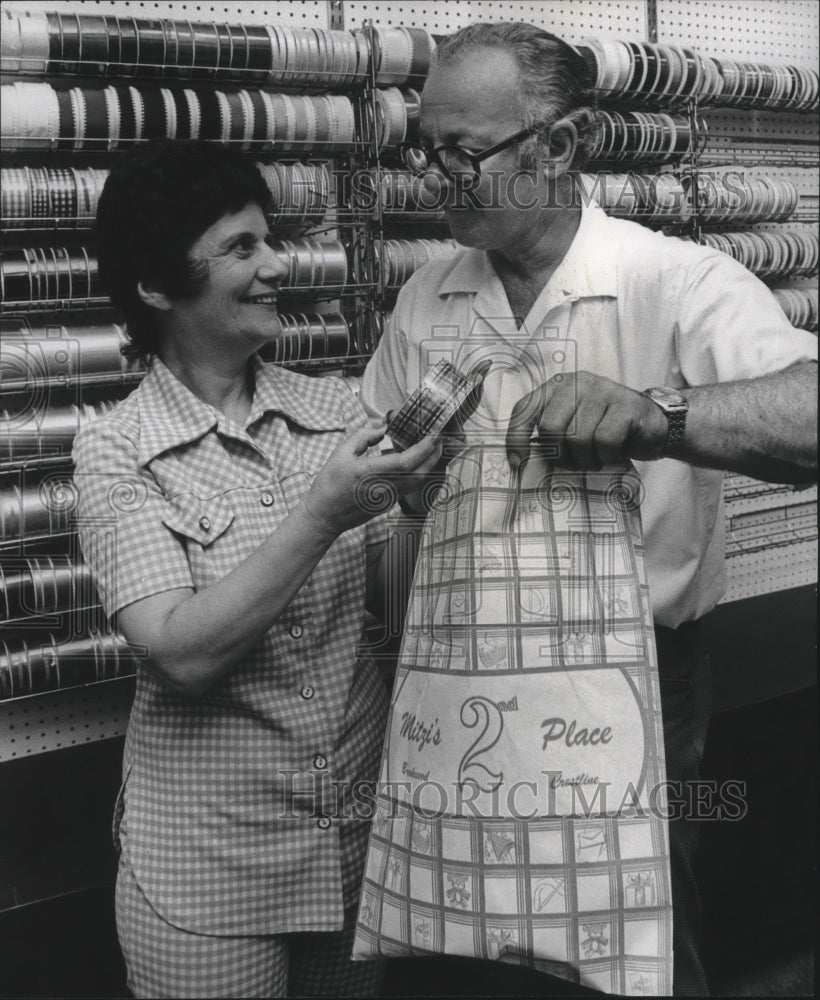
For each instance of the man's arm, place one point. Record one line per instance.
(763, 427)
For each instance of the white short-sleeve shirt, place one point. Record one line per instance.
(638, 307)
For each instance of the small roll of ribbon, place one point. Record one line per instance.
(445, 395)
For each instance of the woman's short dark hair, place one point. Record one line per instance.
(556, 81)
(156, 203)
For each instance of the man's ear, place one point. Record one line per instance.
(563, 144)
(152, 297)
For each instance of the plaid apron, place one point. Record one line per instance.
(520, 814)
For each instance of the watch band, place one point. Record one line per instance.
(675, 406)
(676, 431)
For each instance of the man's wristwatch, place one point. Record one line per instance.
(675, 406)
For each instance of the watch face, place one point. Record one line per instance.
(666, 396)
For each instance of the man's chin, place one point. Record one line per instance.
(465, 228)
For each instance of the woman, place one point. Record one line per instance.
(224, 512)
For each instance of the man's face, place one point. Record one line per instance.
(475, 102)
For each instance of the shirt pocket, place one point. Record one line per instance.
(202, 521)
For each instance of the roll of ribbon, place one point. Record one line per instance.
(239, 51)
(247, 118)
(171, 44)
(210, 115)
(139, 112)
(391, 116)
(15, 196)
(224, 50)
(259, 53)
(129, 46)
(206, 50)
(444, 395)
(94, 36)
(34, 42)
(128, 119)
(97, 129)
(112, 106)
(155, 125)
(70, 44)
(185, 50)
(224, 115)
(169, 112)
(260, 116)
(38, 191)
(11, 44)
(395, 56)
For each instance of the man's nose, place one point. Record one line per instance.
(435, 185)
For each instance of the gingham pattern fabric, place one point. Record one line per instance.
(164, 961)
(519, 814)
(230, 798)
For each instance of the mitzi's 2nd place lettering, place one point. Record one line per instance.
(556, 728)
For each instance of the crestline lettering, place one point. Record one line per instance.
(415, 731)
(556, 728)
(558, 781)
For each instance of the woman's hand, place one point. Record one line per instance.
(356, 484)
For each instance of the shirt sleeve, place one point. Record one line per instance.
(377, 529)
(385, 377)
(731, 327)
(130, 552)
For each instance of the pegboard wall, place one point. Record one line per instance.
(301, 13)
(771, 537)
(783, 31)
(62, 719)
(570, 19)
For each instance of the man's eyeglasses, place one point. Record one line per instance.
(455, 162)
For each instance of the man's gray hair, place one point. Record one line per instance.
(556, 82)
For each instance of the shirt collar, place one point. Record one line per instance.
(589, 268)
(171, 415)
(312, 403)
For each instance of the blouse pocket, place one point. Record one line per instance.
(203, 521)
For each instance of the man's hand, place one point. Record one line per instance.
(590, 420)
(355, 484)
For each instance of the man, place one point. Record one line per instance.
(580, 314)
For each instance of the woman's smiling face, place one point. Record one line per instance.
(237, 304)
